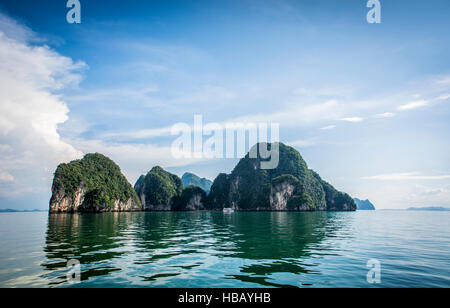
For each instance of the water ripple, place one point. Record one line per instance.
(211, 249)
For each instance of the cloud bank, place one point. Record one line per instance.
(30, 108)
(409, 176)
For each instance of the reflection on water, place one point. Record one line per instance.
(169, 249)
(212, 249)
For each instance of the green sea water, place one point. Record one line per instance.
(212, 249)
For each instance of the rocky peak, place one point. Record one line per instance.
(92, 184)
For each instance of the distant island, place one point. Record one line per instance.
(364, 205)
(96, 184)
(20, 211)
(429, 208)
(190, 179)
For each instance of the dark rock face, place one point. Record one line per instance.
(92, 184)
(282, 190)
(364, 205)
(288, 194)
(192, 199)
(219, 196)
(194, 180)
(291, 186)
(158, 189)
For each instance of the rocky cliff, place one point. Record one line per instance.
(158, 189)
(92, 184)
(96, 184)
(291, 186)
(192, 199)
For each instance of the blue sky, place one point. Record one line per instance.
(367, 105)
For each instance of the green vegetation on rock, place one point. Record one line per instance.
(300, 202)
(95, 183)
(158, 188)
(192, 198)
(290, 179)
(99, 177)
(248, 187)
(218, 196)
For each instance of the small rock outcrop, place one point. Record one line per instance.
(92, 184)
(158, 189)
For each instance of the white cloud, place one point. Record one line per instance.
(328, 127)
(352, 119)
(334, 92)
(296, 115)
(6, 177)
(30, 111)
(142, 133)
(445, 80)
(413, 105)
(433, 191)
(423, 195)
(11, 28)
(405, 177)
(302, 143)
(443, 97)
(5, 148)
(385, 115)
(138, 94)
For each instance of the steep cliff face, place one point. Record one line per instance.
(291, 186)
(282, 190)
(280, 195)
(158, 189)
(92, 184)
(192, 199)
(219, 195)
(59, 202)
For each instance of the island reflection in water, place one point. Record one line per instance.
(200, 249)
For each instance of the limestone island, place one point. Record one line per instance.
(95, 184)
(364, 205)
